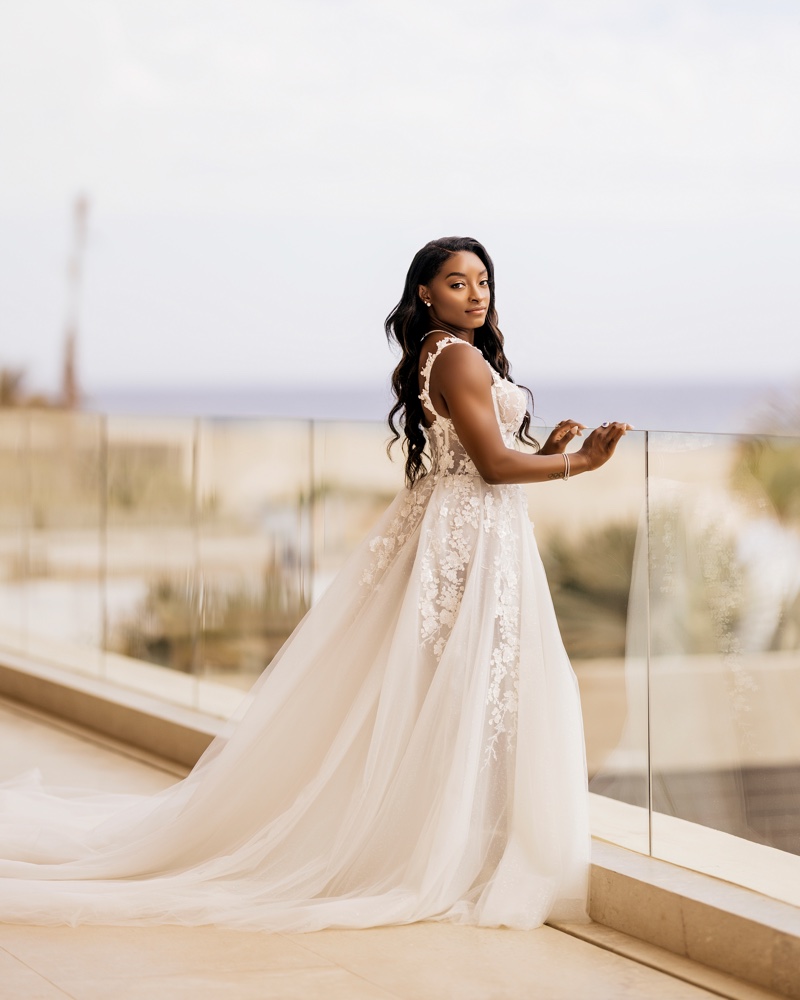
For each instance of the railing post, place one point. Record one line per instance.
(648, 552)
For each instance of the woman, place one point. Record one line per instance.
(415, 749)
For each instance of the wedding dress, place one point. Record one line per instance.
(415, 750)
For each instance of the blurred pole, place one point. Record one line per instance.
(70, 389)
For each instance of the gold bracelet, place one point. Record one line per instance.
(565, 477)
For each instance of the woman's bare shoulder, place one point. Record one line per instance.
(454, 363)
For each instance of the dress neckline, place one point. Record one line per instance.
(453, 335)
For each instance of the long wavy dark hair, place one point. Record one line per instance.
(409, 322)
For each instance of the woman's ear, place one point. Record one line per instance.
(424, 294)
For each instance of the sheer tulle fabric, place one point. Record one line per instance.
(414, 752)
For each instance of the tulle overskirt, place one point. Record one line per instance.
(415, 751)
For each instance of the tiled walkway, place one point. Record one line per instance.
(427, 961)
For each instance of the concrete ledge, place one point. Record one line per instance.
(712, 981)
(169, 731)
(766, 870)
(723, 926)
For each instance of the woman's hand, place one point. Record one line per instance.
(600, 445)
(560, 437)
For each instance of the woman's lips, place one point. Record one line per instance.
(482, 309)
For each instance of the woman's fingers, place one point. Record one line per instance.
(569, 428)
(607, 435)
(615, 427)
(612, 432)
(602, 441)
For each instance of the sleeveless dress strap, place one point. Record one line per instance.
(425, 395)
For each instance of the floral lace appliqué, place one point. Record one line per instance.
(503, 692)
(448, 548)
(402, 526)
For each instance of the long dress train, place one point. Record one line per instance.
(415, 751)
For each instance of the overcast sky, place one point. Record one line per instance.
(260, 173)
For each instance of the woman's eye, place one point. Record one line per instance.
(457, 284)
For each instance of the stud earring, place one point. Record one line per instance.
(428, 304)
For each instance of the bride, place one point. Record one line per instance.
(415, 750)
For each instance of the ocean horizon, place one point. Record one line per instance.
(723, 407)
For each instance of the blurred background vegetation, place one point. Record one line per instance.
(238, 630)
(590, 580)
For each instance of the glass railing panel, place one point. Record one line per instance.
(593, 541)
(14, 524)
(354, 482)
(725, 656)
(254, 552)
(152, 586)
(64, 583)
(176, 556)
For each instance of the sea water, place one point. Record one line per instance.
(710, 407)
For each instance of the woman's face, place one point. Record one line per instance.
(459, 294)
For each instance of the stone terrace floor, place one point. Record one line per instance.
(426, 961)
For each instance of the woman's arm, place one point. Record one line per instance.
(462, 382)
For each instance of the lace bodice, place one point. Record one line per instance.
(448, 455)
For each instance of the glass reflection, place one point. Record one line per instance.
(63, 586)
(592, 538)
(354, 482)
(151, 594)
(253, 502)
(725, 639)
(14, 516)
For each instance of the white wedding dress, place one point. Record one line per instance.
(414, 752)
